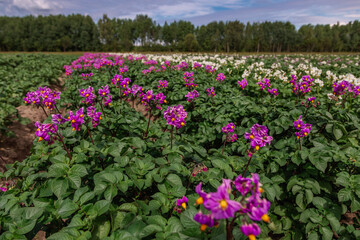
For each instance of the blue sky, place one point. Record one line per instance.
(199, 12)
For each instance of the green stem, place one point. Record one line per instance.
(247, 166)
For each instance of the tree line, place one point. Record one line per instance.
(81, 33)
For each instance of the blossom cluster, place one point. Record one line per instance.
(220, 77)
(264, 83)
(341, 87)
(197, 65)
(162, 84)
(211, 92)
(304, 128)
(303, 86)
(175, 116)
(88, 94)
(228, 129)
(77, 119)
(104, 92)
(124, 69)
(46, 131)
(219, 205)
(86, 75)
(191, 96)
(44, 96)
(93, 115)
(189, 80)
(243, 83)
(149, 98)
(258, 136)
(274, 92)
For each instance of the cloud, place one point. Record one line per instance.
(199, 12)
(32, 4)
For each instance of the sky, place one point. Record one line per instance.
(199, 12)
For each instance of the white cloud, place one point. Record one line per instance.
(33, 4)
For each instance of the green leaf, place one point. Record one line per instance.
(25, 227)
(309, 195)
(116, 149)
(101, 207)
(344, 195)
(174, 180)
(319, 162)
(313, 236)
(150, 229)
(355, 205)
(58, 170)
(102, 229)
(337, 133)
(128, 207)
(78, 170)
(59, 187)
(67, 208)
(300, 200)
(187, 217)
(334, 222)
(327, 234)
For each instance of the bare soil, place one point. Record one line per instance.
(17, 148)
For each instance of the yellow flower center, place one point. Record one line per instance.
(252, 237)
(73, 129)
(87, 95)
(298, 125)
(199, 201)
(165, 101)
(257, 148)
(73, 121)
(148, 97)
(81, 115)
(261, 190)
(251, 136)
(103, 93)
(223, 204)
(183, 205)
(100, 118)
(305, 134)
(40, 139)
(265, 218)
(182, 123)
(173, 119)
(203, 227)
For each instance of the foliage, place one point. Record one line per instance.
(125, 186)
(21, 73)
(81, 33)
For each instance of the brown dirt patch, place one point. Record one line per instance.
(18, 148)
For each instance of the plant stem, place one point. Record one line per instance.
(44, 111)
(147, 129)
(57, 109)
(61, 140)
(102, 109)
(300, 143)
(229, 235)
(246, 167)
(172, 129)
(222, 151)
(90, 134)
